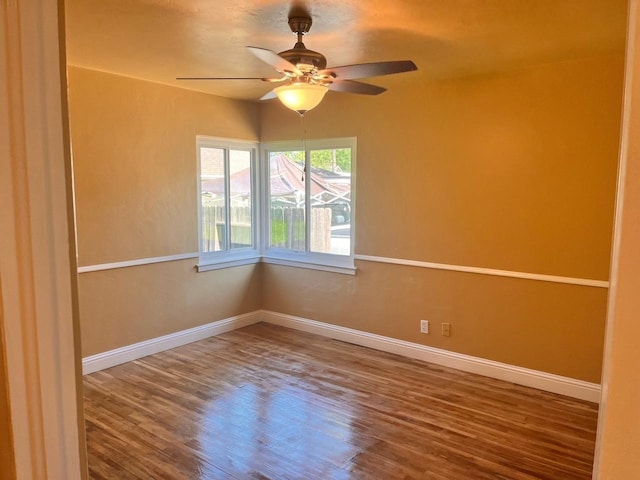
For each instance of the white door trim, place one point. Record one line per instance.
(36, 245)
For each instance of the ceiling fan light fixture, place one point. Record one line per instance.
(301, 97)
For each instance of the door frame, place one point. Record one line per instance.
(38, 294)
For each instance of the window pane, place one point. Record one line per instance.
(287, 200)
(240, 198)
(213, 205)
(331, 201)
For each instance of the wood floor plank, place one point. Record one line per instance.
(266, 402)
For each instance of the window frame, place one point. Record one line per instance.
(230, 257)
(306, 259)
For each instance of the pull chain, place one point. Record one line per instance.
(304, 147)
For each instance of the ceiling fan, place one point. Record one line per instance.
(305, 74)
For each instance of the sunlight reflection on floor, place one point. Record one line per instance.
(249, 427)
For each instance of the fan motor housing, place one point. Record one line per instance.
(300, 25)
(305, 59)
(301, 56)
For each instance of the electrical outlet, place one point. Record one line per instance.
(446, 329)
(424, 326)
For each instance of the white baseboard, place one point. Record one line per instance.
(502, 371)
(115, 357)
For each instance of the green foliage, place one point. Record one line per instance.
(297, 156)
(330, 159)
(333, 160)
(278, 233)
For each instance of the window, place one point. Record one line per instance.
(308, 203)
(227, 210)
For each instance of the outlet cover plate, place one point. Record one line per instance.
(424, 326)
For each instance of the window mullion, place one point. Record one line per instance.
(256, 201)
(227, 199)
(265, 200)
(307, 200)
(200, 205)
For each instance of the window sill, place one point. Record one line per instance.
(208, 265)
(345, 270)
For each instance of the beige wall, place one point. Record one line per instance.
(512, 171)
(492, 317)
(134, 156)
(619, 445)
(618, 449)
(124, 306)
(135, 187)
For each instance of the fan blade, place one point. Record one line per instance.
(269, 95)
(231, 78)
(275, 60)
(349, 86)
(365, 70)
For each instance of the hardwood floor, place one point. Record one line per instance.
(266, 402)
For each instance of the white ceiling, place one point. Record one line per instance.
(158, 40)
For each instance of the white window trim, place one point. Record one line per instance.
(307, 259)
(261, 252)
(237, 256)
